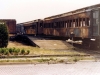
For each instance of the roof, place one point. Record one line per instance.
(30, 22)
(7, 19)
(89, 8)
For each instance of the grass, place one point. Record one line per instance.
(78, 58)
(49, 60)
(39, 51)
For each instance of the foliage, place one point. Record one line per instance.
(13, 51)
(10, 50)
(6, 52)
(2, 51)
(28, 51)
(76, 59)
(22, 51)
(3, 35)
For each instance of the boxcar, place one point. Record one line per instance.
(11, 24)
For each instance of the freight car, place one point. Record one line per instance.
(11, 24)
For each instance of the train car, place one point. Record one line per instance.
(20, 29)
(11, 24)
(39, 26)
(34, 27)
(82, 23)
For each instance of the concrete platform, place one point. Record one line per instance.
(50, 44)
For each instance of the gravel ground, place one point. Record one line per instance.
(79, 68)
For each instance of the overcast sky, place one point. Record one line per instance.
(27, 10)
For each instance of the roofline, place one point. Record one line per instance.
(84, 9)
(31, 21)
(8, 19)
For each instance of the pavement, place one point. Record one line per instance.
(78, 68)
(50, 44)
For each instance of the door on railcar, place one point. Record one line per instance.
(96, 23)
(39, 27)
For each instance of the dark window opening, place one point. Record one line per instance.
(84, 22)
(76, 25)
(80, 22)
(33, 26)
(70, 23)
(87, 22)
(52, 25)
(73, 24)
(66, 24)
(41, 25)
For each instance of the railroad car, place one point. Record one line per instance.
(82, 23)
(11, 24)
(20, 29)
(34, 27)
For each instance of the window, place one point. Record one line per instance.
(83, 21)
(54, 25)
(63, 24)
(50, 25)
(73, 24)
(80, 22)
(33, 26)
(66, 25)
(76, 25)
(58, 24)
(44, 25)
(41, 25)
(70, 23)
(87, 23)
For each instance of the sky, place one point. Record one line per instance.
(28, 10)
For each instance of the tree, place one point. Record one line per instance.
(3, 34)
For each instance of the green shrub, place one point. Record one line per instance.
(10, 50)
(61, 61)
(43, 60)
(3, 35)
(22, 51)
(28, 52)
(13, 51)
(51, 59)
(6, 52)
(2, 50)
(75, 59)
(16, 51)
